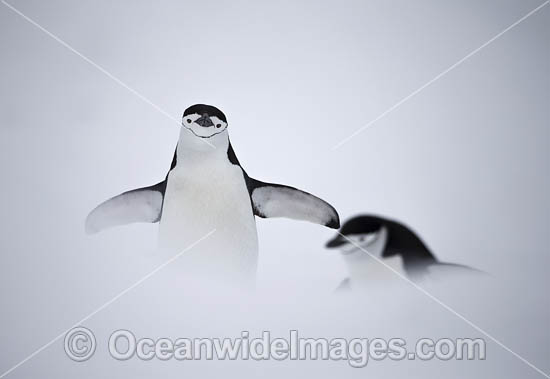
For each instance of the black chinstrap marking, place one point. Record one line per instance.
(203, 137)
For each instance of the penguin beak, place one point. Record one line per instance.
(205, 121)
(335, 242)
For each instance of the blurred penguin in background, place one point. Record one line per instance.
(369, 244)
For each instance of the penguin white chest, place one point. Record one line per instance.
(204, 197)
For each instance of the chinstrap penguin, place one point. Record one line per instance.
(394, 243)
(206, 189)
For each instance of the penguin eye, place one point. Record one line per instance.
(188, 120)
(218, 125)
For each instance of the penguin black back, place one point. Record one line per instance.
(401, 241)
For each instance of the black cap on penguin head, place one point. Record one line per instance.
(203, 109)
(353, 226)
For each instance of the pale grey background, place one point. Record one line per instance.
(465, 162)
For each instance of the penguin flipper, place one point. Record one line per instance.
(139, 205)
(443, 270)
(276, 200)
(344, 286)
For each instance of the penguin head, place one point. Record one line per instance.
(361, 231)
(204, 121)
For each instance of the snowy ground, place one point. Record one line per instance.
(465, 162)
